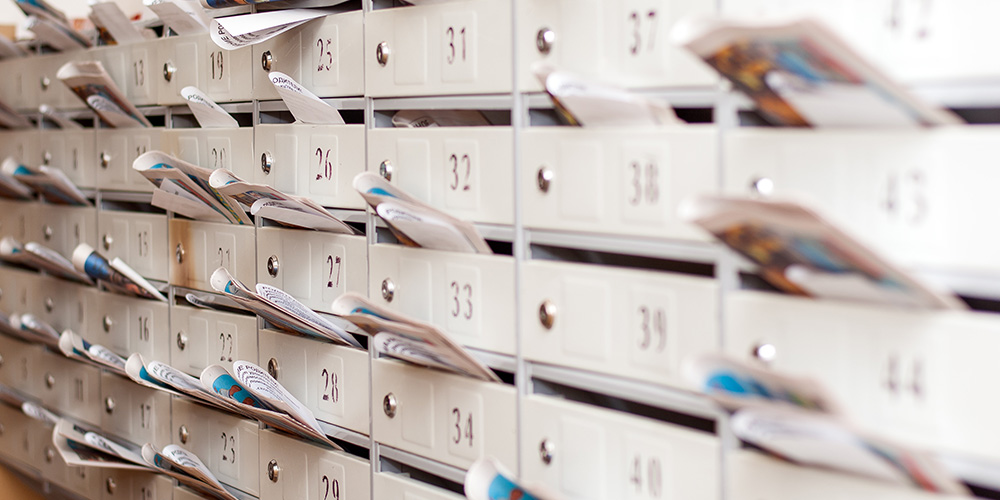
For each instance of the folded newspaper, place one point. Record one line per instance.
(305, 106)
(418, 118)
(58, 118)
(94, 86)
(795, 419)
(42, 258)
(233, 32)
(400, 337)
(116, 274)
(12, 328)
(110, 17)
(206, 111)
(800, 73)
(487, 479)
(50, 182)
(184, 188)
(82, 447)
(415, 223)
(826, 441)
(56, 35)
(75, 347)
(10, 49)
(163, 377)
(281, 309)
(32, 329)
(590, 104)
(10, 118)
(802, 253)
(269, 203)
(10, 187)
(184, 17)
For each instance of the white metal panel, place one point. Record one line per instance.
(616, 181)
(128, 325)
(439, 49)
(449, 418)
(324, 55)
(464, 171)
(598, 453)
(202, 338)
(306, 471)
(197, 249)
(468, 296)
(396, 487)
(117, 150)
(139, 239)
(213, 148)
(314, 267)
(318, 162)
(624, 43)
(330, 380)
(227, 444)
(72, 151)
(632, 323)
(133, 412)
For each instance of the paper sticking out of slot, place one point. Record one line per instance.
(418, 118)
(206, 111)
(801, 74)
(55, 35)
(184, 17)
(802, 253)
(58, 118)
(415, 223)
(109, 15)
(233, 32)
(591, 104)
(303, 104)
(92, 84)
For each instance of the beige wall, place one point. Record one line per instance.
(11, 488)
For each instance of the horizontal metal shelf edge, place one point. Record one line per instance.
(633, 390)
(337, 432)
(434, 467)
(479, 101)
(691, 251)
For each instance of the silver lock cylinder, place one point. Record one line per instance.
(111, 485)
(179, 253)
(107, 323)
(385, 170)
(765, 353)
(544, 40)
(266, 162)
(382, 53)
(104, 159)
(49, 304)
(50, 381)
(183, 434)
(272, 266)
(273, 471)
(389, 405)
(45, 82)
(388, 290)
(546, 451)
(272, 368)
(547, 314)
(182, 340)
(109, 405)
(168, 70)
(266, 60)
(107, 241)
(544, 179)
